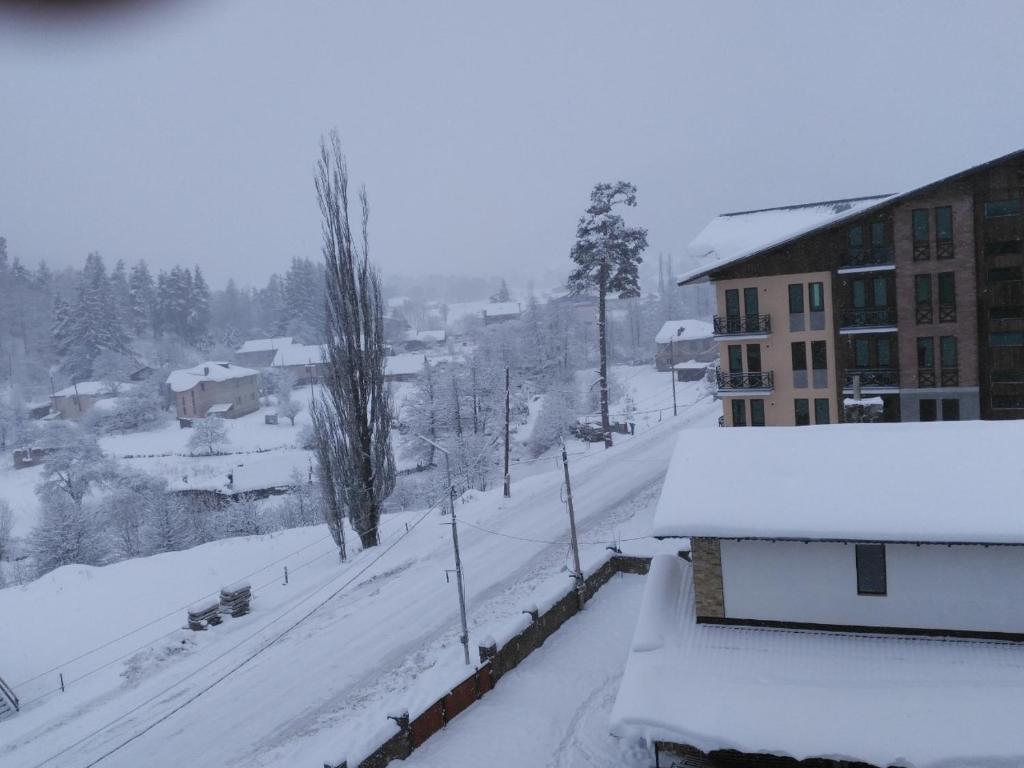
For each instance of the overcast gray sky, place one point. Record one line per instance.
(189, 135)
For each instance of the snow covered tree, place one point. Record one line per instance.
(135, 503)
(422, 414)
(74, 465)
(198, 319)
(287, 406)
(67, 533)
(208, 435)
(120, 295)
(607, 254)
(502, 294)
(166, 526)
(352, 417)
(141, 294)
(6, 532)
(137, 409)
(91, 325)
(304, 300)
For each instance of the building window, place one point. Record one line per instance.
(802, 412)
(1007, 401)
(870, 569)
(951, 409)
(861, 353)
(884, 352)
(856, 238)
(816, 291)
(1007, 374)
(796, 307)
(947, 297)
(819, 363)
(1005, 313)
(732, 302)
(877, 234)
(821, 410)
(1004, 274)
(920, 219)
(757, 413)
(1010, 339)
(739, 413)
(925, 352)
(1002, 248)
(926, 410)
(735, 358)
(923, 299)
(947, 351)
(996, 208)
(944, 224)
(881, 292)
(750, 302)
(754, 358)
(798, 351)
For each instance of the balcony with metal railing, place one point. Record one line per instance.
(871, 380)
(867, 320)
(873, 259)
(746, 382)
(743, 326)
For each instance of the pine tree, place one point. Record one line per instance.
(91, 326)
(121, 295)
(141, 294)
(607, 254)
(198, 327)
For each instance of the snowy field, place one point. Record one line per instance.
(381, 632)
(559, 699)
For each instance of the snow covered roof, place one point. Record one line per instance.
(90, 388)
(265, 345)
(883, 700)
(690, 365)
(946, 482)
(427, 337)
(502, 309)
(300, 354)
(212, 370)
(403, 365)
(731, 237)
(684, 330)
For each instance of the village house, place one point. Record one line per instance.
(681, 340)
(829, 597)
(404, 367)
(915, 298)
(214, 389)
(304, 361)
(75, 401)
(259, 353)
(415, 341)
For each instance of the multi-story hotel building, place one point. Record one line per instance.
(914, 301)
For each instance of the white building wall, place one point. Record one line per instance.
(963, 587)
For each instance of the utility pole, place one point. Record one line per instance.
(672, 371)
(578, 576)
(455, 544)
(508, 415)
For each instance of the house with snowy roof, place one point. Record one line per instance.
(863, 605)
(259, 353)
(214, 388)
(306, 362)
(681, 340)
(75, 401)
(916, 298)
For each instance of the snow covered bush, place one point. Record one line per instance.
(558, 413)
(209, 435)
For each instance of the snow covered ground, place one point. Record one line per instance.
(268, 689)
(559, 700)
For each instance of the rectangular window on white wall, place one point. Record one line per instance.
(871, 569)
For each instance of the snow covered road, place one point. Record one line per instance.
(389, 640)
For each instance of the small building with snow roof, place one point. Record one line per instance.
(214, 388)
(75, 401)
(306, 362)
(680, 340)
(860, 603)
(259, 353)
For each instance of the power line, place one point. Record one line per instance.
(547, 541)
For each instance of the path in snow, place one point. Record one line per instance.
(552, 710)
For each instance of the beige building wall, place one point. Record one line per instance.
(242, 392)
(776, 354)
(74, 407)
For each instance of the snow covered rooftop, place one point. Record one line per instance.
(884, 700)
(90, 388)
(265, 345)
(690, 365)
(731, 237)
(403, 365)
(427, 337)
(684, 330)
(212, 370)
(946, 482)
(300, 354)
(502, 309)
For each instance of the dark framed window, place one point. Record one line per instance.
(947, 351)
(798, 350)
(862, 353)
(996, 208)
(1007, 401)
(757, 413)
(1005, 313)
(925, 352)
(860, 293)
(816, 294)
(1004, 274)
(947, 289)
(732, 302)
(1007, 374)
(821, 410)
(819, 356)
(877, 233)
(951, 409)
(802, 411)
(926, 410)
(1008, 339)
(884, 351)
(923, 290)
(796, 298)
(1002, 247)
(754, 358)
(855, 237)
(739, 413)
(881, 292)
(871, 569)
(750, 301)
(944, 224)
(735, 358)
(920, 225)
